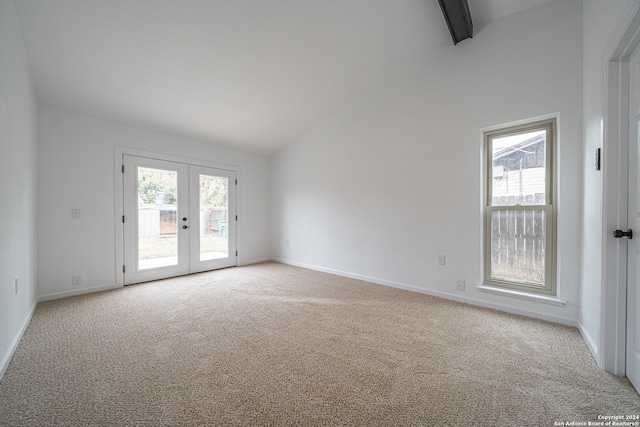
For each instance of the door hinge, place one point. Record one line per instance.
(619, 234)
(123, 218)
(236, 182)
(236, 217)
(123, 268)
(236, 253)
(122, 168)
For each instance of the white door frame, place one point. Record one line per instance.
(119, 195)
(612, 343)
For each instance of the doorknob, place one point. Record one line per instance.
(184, 227)
(619, 234)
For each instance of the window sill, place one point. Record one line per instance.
(546, 299)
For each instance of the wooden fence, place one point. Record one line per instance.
(518, 245)
(157, 221)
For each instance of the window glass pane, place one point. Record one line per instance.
(518, 245)
(157, 228)
(214, 217)
(519, 169)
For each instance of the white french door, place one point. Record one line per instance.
(178, 219)
(212, 198)
(633, 263)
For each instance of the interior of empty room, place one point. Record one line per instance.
(356, 134)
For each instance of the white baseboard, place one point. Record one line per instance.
(254, 261)
(74, 292)
(591, 344)
(4, 363)
(444, 295)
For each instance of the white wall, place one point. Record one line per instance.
(76, 170)
(599, 22)
(389, 183)
(17, 185)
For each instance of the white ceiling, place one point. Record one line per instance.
(248, 74)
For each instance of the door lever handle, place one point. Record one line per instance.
(619, 234)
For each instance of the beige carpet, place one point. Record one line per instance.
(271, 344)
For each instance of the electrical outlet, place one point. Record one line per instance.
(76, 280)
(460, 284)
(441, 260)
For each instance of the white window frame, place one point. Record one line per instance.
(550, 207)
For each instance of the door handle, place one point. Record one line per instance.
(184, 227)
(618, 234)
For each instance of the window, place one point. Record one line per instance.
(520, 208)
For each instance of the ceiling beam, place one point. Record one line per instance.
(458, 17)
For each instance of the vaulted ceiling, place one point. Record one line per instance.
(253, 75)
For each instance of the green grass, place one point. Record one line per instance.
(166, 246)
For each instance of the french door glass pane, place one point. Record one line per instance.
(518, 244)
(157, 222)
(519, 169)
(214, 217)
